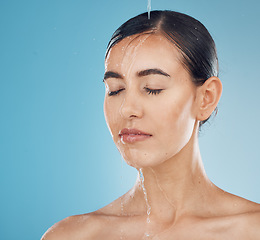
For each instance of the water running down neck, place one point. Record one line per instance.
(148, 207)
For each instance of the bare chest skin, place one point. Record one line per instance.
(133, 228)
(241, 225)
(221, 223)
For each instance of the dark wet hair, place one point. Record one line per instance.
(186, 33)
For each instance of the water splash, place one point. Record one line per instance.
(148, 207)
(149, 7)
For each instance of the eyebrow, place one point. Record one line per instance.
(152, 71)
(111, 74)
(143, 73)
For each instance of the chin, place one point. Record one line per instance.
(143, 160)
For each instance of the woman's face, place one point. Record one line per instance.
(150, 101)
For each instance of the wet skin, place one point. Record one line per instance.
(149, 90)
(159, 103)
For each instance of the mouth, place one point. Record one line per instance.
(131, 135)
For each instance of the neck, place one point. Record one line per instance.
(177, 186)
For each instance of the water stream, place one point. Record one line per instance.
(148, 207)
(149, 7)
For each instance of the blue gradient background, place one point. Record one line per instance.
(57, 156)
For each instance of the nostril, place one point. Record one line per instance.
(130, 112)
(130, 107)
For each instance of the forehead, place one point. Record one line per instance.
(144, 49)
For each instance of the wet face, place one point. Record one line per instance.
(150, 100)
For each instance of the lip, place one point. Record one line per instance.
(131, 135)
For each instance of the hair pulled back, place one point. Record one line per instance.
(188, 34)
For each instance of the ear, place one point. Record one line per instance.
(208, 97)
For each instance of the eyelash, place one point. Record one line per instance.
(152, 91)
(115, 92)
(148, 90)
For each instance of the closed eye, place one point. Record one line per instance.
(112, 93)
(152, 91)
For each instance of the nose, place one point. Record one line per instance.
(131, 106)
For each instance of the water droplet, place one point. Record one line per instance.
(121, 234)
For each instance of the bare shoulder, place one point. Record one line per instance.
(84, 226)
(236, 216)
(248, 216)
(251, 222)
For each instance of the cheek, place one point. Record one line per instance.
(106, 111)
(176, 121)
(111, 112)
